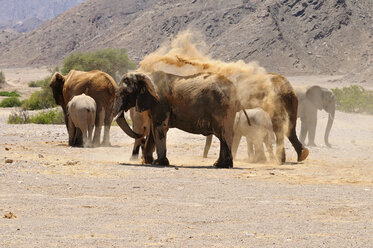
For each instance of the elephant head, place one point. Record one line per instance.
(323, 98)
(135, 90)
(56, 85)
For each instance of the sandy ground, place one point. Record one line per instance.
(81, 197)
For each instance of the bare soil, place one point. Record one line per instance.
(96, 197)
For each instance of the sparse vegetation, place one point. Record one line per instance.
(40, 99)
(354, 99)
(115, 62)
(51, 116)
(2, 78)
(10, 94)
(34, 84)
(10, 102)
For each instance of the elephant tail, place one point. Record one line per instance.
(247, 117)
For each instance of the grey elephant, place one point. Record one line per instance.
(260, 131)
(81, 113)
(204, 104)
(310, 100)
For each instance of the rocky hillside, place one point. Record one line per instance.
(291, 36)
(25, 15)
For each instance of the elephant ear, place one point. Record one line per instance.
(148, 96)
(57, 83)
(315, 95)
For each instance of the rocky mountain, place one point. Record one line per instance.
(289, 36)
(25, 15)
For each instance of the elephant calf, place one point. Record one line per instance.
(260, 131)
(81, 112)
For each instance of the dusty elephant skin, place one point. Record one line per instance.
(202, 104)
(96, 84)
(258, 132)
(283, 112)
(311, 99)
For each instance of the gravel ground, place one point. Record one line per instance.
(52, 195)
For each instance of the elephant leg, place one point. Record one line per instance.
(302, 152)
(225, 159)
(78, 137)
(98, 125)
(259, 151)
(303, 131)
(236, 142)
(149, 148)
(85, 137)
(250, 149)
(207, 145)
(160, 136)
(90, 131)
(280, 147)
(107, 125)
(136, 148)
(268, 144)
(312, 131)
(71, 131)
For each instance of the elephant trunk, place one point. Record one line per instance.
(126, 128)
(329, 125)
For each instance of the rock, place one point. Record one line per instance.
(9, 161)
(9, 215)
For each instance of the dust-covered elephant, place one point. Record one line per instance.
(81, 112)
(258, 132)
(205, 104)
(310, 100)
(282, 111)
(96, 84)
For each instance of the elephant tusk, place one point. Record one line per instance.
(117, 116)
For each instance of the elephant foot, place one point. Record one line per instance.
(221, 163)
(303, 154)
(161, 161)
(106, 144)
(260, 160)
(311, 144)
(328, 145)
(134, 157)
(147, 159)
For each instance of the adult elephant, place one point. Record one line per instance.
(310, 100)
(282, 108)
(205, 104)
(98, 85)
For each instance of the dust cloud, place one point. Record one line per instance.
(186, 55)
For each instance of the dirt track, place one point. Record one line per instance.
(75, 197)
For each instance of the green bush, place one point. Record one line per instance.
(34, 84)
(52, 116)
(10, 102)
(2, 78)
(7, 93)
(114, 62)
(22, 117)
(354, 99)
(41, 99)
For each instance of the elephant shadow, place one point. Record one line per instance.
(176, 167)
